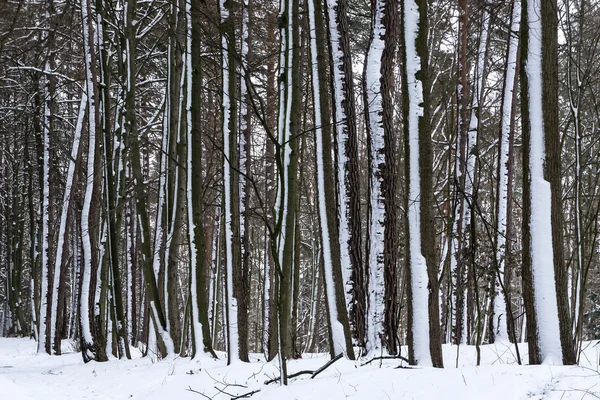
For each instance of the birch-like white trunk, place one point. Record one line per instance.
(85, 213)
(45, 214)
(64, 212)
(499, 320)
(232, 321)
(195, 323)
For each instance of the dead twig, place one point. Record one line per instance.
(243, 396)
(189, 389)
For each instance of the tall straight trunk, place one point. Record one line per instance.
(376, 214)
(215, 275)
(334, 277)
(348, 185)
(553, 174)
(91, 350)
(245, 167)
(174, 178)
(500, 311)
(471, 186)
(577, 276)
(201, 341)
(424, 332)
(46, 326)
(131, 276)
(33, 235)
(458, 269)
(270, 328)
(165, 341)
(388, 186)
(158, 258)
(295, 295)
(540, 278)
(287, 162)
(230, 184)
(111, 187)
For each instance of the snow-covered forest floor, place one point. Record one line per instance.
(24, 375)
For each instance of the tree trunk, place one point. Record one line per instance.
(539, 231)
(424, 333)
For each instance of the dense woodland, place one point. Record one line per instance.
(343, 176)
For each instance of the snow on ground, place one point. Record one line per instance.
(24, 375)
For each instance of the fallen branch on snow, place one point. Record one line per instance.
(385, 358)
(312, 374)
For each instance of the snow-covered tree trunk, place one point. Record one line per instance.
(471, 187)
(457, 269)
(196, 326)
(175, 178)
(374, 125)
(231, 206)
(540, 294)
(272, 122)
(89, 350)
(165, 341)
(158, 255)
(382, 145)
(245, 168)
(130, 275)
(287, 165)
(76, 273)
(338, 320)
(504, 160)
(213, 287)
(43, 341)
(63, 239)
(344, 115)
(48, 82)
(424, 333)
(111, 188)
(201, 341)
(472, 133)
